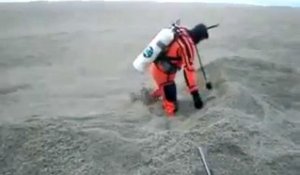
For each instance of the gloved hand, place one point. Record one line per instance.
(197, 99)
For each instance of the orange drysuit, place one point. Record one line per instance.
(179, 54)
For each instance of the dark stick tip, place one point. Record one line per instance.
(209, 85)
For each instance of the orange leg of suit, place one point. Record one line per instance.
(162, 80)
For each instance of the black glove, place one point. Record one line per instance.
(197, 100)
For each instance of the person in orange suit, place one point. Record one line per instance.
(179, 54)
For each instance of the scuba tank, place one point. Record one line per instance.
(154, 48)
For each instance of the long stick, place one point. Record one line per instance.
(204, 161)
(208, 84)
(213, 26)
(201, 65)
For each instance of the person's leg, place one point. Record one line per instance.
(157, 77)
(165, 87)
(170, 98)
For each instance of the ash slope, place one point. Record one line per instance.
(250, 127)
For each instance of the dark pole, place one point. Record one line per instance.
(208, 84)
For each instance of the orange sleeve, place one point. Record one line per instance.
(189, 71)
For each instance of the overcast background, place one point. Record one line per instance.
(294, 3)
